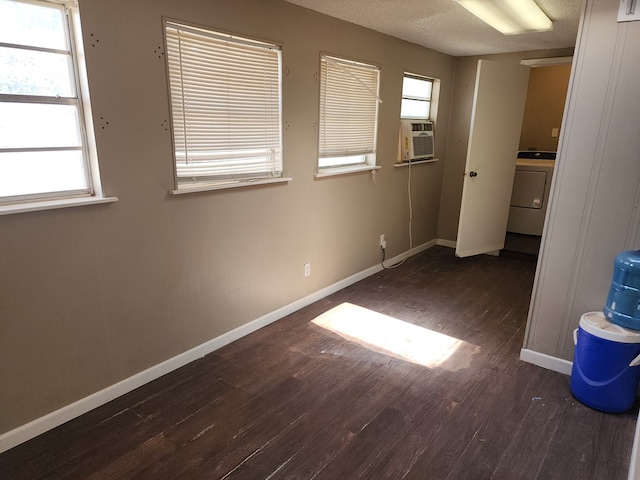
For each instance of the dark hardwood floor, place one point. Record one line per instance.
(295, 400)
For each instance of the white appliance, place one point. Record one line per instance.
(416, 140)
(530, 194)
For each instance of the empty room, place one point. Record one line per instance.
(289, 239)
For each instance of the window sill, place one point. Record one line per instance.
(406, 164)
(230, 184)
(53, 204)
(331, 172)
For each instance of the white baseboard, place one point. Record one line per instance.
(47, 422)
(546, 361)
(446, 243)
(413, 251)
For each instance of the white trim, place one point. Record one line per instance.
(85, 100)
(547, 361)
(415, 162)
(53, 204)
(230, 184)
(67, 3)
(333, 171)
(410, 253)
(47, 422)
(446, 243)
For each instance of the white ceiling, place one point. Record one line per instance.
(446, 26)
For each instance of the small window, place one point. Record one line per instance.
(416, 97)
(44, 148)
(225, 107)
(348, 113)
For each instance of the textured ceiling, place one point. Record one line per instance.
(448, 27)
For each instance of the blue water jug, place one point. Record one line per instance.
(623, 302)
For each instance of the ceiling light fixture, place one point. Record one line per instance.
(508, 16)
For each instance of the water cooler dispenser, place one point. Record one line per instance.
(606, 361)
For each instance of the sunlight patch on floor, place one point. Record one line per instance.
(397, 338)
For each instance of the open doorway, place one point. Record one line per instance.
(544, 108)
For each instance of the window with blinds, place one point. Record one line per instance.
(226, 106)
(349, 98)
(43, 140)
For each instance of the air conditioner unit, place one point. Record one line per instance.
(416, 140)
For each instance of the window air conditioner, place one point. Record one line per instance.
(416, 140)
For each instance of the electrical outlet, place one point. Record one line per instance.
(555, 132)
(307, 269)
(383, 242)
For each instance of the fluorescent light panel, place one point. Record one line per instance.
(511, 17)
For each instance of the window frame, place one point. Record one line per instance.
(428, 99)
(367, 153)
(60, 198)
(180, 116)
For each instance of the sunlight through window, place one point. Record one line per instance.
(397, 338)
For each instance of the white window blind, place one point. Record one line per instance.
(348, 112)
(43, 141)
(225, 104)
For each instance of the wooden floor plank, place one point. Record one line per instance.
(372, 442)
(135, 460)
(502, 419)
(297, 401)
(613, 461)
(532, 443)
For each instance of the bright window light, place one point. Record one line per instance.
(416, 97)
(397, 338)
(44, 142)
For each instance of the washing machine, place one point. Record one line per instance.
(530, 194)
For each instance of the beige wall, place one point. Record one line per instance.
(462, 102)
(92, 295)
(544, 108)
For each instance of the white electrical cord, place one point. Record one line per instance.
(410, 210)
(384, 250)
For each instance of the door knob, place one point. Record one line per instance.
(473, 174)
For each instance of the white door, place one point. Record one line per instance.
(496, 121)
